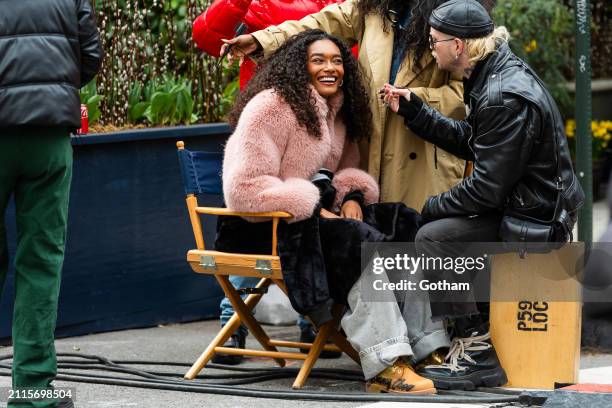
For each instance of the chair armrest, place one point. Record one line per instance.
(226, 211)
(275, 215)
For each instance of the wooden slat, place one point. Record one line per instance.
(235, 264)
(196, 223)
(226, 211)
(274, 236)
(297, 344)
(261, 353)
(230, 257)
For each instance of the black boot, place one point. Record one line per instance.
(470, 363)
(308, 336)
(237, 340)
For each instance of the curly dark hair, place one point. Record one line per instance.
(285, 72)
(416, 35)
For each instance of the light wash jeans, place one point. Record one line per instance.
(227, 310)
(381, 332)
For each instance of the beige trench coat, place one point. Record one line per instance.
(408, 169)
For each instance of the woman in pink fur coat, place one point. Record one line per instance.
(295, 149)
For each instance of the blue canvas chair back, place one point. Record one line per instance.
(201, 171)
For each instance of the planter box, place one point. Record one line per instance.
(128, 234)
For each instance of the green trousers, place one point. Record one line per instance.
(35, 166)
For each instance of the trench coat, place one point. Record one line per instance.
(408, 169)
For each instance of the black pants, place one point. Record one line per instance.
(444, 238)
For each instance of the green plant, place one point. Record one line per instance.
(542, 35)
(89, 96)
(145, 40)
(601, 132)
(165, 102)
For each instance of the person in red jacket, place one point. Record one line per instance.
(219, 22)
(222, 18)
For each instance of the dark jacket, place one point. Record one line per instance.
(510, 134)
(320, 258)
(48, 50)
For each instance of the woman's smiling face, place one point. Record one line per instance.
(325, 67)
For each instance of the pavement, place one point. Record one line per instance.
(183, 343)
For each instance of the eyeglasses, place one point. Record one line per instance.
(432, 42)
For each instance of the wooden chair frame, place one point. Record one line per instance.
(268, 269)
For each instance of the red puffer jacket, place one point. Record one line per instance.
(222, 18)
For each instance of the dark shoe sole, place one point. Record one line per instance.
(494, 377)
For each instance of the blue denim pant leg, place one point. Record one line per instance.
(425, 335)
(375, 328)
(227, 310)
(303, 323)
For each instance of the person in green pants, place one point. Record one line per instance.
(49, 48)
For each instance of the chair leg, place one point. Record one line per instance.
(221, 337)
(226, 331)
(246, 317)
(313, 354)
(343, 344)
(339, 339)
(334, 335)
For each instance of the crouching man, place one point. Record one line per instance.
(514, 135)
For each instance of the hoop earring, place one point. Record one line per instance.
(341, 82)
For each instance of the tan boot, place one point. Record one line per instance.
(400, 378)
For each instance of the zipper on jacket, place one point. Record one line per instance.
(519, 198)
(436, 156)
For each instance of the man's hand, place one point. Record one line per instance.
(242, 46)
(327, 214)
(351, 209)
(390, 96)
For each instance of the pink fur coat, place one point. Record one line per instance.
(270, 159)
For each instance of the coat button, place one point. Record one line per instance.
(412, 156)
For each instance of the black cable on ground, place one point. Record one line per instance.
(161, 382)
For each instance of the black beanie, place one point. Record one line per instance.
(462, 18)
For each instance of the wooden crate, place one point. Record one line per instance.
(536, 317)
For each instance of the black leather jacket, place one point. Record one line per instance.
(48, 50)
(512, 133)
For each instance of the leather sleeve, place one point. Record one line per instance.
(502, 144)
(429, 124)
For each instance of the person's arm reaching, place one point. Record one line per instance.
(429, 124)
(502, 146)
(342, 20)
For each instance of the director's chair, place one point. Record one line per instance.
(200, 171)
